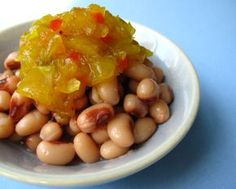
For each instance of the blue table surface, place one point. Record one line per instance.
(206, 30)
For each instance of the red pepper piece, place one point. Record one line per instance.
(123, 64)
(56, 24)
(99, 17)
(83, 79)
(107, 39)
(75, 56)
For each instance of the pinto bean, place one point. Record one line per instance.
(110, 150)
(32, 141)
(31, 123)
(92, 116)
(11, 63)
(139, 72)
(4, 100)
(55, 153)
(159, 111)
(148, 89)
(19, 106)
(6, 126)
(119, 129)
(9, 83)
(100, 134)
(143, 129)
(51, 131)
(108, 91)
(86, 148)
(166, 93)
(133, 105)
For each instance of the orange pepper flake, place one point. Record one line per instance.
(83, 79)
(123, 64)
(99, 17)
(55, 24)
(75, 56)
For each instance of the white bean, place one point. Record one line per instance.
(4, 100)
(119, 129)
(110, 150)
(31, 123)
(159, 111)
(143, 129)
(108, 91)
(55, 153)
(51, 131)
(86, 148)
(6, 126)
(32, 141)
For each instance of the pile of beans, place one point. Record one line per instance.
(112, 117)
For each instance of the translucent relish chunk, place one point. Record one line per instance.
(62, 54)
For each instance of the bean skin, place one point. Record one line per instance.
(110, 150)
(6, 73)
(9, 83)
(42, 109)
(94, 96)
(159, 74)
(166, 93)
(6, 126)
(61, 119)
(159, 111)
(11, 62)
(31, 123)
(51, 131)
(148, 89)
(100, 134)
(86, 148)
(55, 153)
(4, 100)
(133, 105)
(19, 106)
(17, 73)
(108, 91)
(73, 128)
(139, 72)
(119, 129)
(32, 141)
(93, 116)
(143, 129)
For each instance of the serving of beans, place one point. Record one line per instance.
(111, 117)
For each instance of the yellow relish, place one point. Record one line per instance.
(62, 54)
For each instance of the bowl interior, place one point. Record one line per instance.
(16, 162)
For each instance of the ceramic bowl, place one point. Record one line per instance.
(19, 164)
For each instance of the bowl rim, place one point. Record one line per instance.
(135, 166)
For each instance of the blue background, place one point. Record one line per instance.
(206, 30)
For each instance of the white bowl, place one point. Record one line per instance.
(19, 164)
